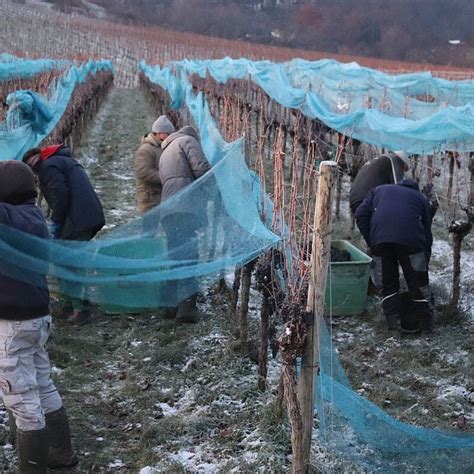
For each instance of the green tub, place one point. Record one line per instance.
(123, 298)
(347, 282)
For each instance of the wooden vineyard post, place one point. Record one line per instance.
(246, 281)
(320, 259)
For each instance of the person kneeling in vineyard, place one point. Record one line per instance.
(76, 211)
(395, 220)
(35, 407)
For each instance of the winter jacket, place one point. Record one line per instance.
(147, 173)
(381, 170)
(397, 214)
(69, 193)
(181, 162)
(20, 300)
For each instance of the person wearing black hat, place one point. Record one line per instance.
(76, 211)
(28, 392)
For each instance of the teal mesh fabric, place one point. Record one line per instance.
(162, 258)
(364, 434)
(32, 117)
(12, 67)
(373, 107)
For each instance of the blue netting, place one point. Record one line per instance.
(368, 105)
(162, 258)
(364, 434)
(12, 67)
(32, 117)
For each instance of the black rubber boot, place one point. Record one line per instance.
(61, 454)
(32, 448)
(391, 307)
(393, 321)
(187, 310)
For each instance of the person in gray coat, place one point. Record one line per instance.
(182, 161)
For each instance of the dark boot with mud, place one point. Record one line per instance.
(32, 448)
(423, 313)
(410, 318)
(391, 307)
(188, 311)
(61, 454)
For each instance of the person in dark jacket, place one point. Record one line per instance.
(383, 169)
(36, 409)
(76, 212)
(182, 162)
(395, 220)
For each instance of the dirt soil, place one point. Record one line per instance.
(147, 394)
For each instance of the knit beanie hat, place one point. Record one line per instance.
(17, 182)
(403, 156)
(162, 125)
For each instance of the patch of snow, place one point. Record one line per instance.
(167, 409)
(453, 391)
(117, 463)
(189, 365)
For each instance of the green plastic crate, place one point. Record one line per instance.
(117, 298)
(348, 281)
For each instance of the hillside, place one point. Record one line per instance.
(426, 31)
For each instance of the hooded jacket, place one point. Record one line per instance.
(20, 300)
(181, 162)
(380, 170)
(147, 174)
(397, 214)
(66, 187)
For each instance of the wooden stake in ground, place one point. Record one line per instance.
(246, 280)
(459, 231)
(320, 259)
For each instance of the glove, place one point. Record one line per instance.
(54, 229)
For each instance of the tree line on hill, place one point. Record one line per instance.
(409, 30)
